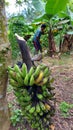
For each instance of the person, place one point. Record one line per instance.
(36, 38)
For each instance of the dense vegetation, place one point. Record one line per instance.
(59, 22)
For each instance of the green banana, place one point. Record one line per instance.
(31, 71)
(36, 125)
(37, 71)
(46, 72)
(35, 114)
(40, 96)
(38, 108)
(31, 80)
(42, 106)
(45, 93)
(10, 68)
(44, 87)
(19, 79)
(26, 80)
(24, 70)
(25, 92)
(27, 98)
(41, 113)
(29, 116)
(45, 80)
(42, 66)
(17, 69)
(12, 74)
(32, 110)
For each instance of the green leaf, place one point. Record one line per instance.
(54, 6)
(39, 7)
(70, 14)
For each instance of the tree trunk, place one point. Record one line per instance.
(52, 48)
(67, 43)
(5, 58)
(24, 51)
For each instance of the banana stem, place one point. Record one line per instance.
(24, 51)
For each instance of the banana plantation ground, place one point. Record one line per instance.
(62, 71)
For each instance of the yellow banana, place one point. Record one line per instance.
(47, 106)
(40, 77)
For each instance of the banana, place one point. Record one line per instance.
(35, 114)
(31, 71)
(47, 106)
(17, 69)
(51, 80)
(43, 82)
(42, 66)
(12, 74)
(24, 70)
(42, 106)
(32, 110)
(13, 83)
(40, 96)
(10, 68)
(25, 92)
(31, 80)
(19, 79)
(27, 98)
(46, 72)
(26, 80)
(39, 78)
(37, 71)
(44, 87)
(28, 116)
(45, 93)
(38, 108)
(41, 113)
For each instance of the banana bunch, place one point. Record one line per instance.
(36, 75)
(33, 89)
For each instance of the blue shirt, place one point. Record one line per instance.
(37, 34)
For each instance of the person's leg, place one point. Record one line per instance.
(39, 46)
(36, 48)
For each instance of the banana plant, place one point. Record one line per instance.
(52, 9)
